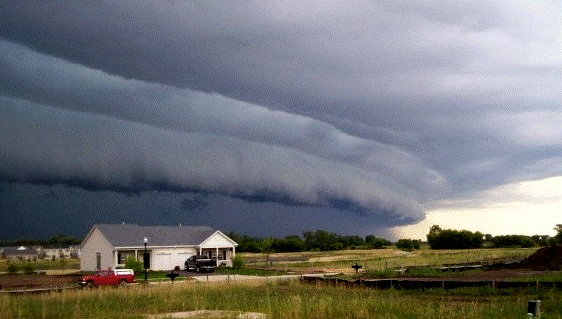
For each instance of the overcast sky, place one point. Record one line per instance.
(270, 118)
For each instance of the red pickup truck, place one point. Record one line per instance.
(110, 277)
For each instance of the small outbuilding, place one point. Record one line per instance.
(167, 247)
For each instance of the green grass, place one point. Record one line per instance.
(249, 272)
(381, 259)
(42, 264)
(286, 300)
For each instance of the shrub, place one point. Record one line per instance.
(238, 262)
(134, 264)
(408, 244)
(12, 268)
(28, 268)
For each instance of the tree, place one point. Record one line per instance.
(266, 247)
(558, 237)
(376, 243)
(454, 239)
(408, 244)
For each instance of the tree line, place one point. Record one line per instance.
(58, 240)
(319, 240)
(462, 239)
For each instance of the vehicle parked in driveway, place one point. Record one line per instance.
(200, 264)
(110, 277)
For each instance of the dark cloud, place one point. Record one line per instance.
(195, 203)
(375, 108)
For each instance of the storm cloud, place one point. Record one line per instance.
(375, 109)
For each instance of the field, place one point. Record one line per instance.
(280, 300)
(380, 259)
(294, 299)
(42, 264)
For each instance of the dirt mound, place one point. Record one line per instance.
(547, 258)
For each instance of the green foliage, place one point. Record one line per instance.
(319, 240)
(408, 244)
(134, 264)
(454, 239)
(376, 243)
(291, 243)
(558, 237)
(238, 262)
(387, 273)
(285, 300)
(12, 268)
(28, 268)
(513, 241)
(542, 240)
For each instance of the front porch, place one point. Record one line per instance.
(223, 256)
(120, 256)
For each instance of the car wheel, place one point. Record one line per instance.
(89, 284)
(122, 284)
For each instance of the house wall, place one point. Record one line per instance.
(57, 253)
(96, 243)
(220, 244)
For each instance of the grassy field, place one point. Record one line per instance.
(281, 300)
(381, 259)
(42, 264)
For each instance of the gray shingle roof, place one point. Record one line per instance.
(14, 251)
(132, 235)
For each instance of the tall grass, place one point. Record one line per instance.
(283, 300)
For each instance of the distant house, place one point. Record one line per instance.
(109, 245)
(21, 253)
(56, 253)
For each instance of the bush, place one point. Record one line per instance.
(28, 268)
(12, 268)
(454, 239)
(238, 262)
(408, 244)
(134, 264)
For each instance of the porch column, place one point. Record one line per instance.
(115, 261)
(217, 255)
(233, 251)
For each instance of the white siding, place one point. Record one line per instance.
(217, 240)
(169, 258)
(96, 243)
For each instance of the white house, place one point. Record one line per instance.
(56, 253)
(109, 245)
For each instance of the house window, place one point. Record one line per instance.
(224, 254)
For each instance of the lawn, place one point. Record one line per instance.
(41, 264)
(281, 300)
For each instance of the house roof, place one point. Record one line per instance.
(132, 235)
(19, 251)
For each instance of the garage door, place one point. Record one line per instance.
(163, 261)
(179, 259)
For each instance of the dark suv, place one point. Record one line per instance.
(200, 264)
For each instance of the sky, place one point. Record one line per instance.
(272, 118)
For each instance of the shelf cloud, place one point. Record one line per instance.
(299, 110)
